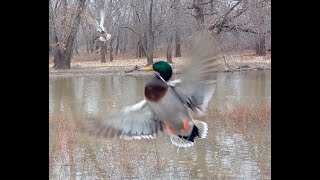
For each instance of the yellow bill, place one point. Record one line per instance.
(147, 68)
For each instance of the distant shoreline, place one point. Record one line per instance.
(121, 66)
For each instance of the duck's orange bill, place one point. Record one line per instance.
(147, 68)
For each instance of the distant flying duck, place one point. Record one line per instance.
(104, 36)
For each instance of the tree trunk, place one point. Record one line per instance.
(260, 39)
(145, 44)
(96, 44)
(111, 49)
(125, 42)
(76, 46)
(177, 29)
(169, 50)
(211, 8)
(88, 46)
(199, 13)
(150, 37)
(177, 42)
(141, 51)
(63, 52)
(103, 51)
(261, 45)
(92, 43)
(117, 43)
(137, 50)
(59, 61)
(150, 59)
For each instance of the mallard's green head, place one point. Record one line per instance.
(163, 68)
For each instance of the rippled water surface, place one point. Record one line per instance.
(238, 145)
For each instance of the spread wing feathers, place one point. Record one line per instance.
(102, 16)
(198, 78)
(136, 121)
(98, 26)
(91, 21)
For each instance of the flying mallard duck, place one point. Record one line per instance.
(104, 36)
(167, 103)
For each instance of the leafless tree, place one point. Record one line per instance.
(64, 42)
(145, 27)
(235, 16)
(169, 49)
(177, 16)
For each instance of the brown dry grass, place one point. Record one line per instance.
(126, 154)
(64, 125)
(247, 113)
(247, 117)
(62, 135)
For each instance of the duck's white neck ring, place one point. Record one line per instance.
(161, 78)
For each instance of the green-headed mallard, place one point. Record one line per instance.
(167, 103)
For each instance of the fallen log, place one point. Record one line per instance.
(133, 69)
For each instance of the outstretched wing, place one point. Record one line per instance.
(136, 121)
(102, 16)
(198, 79)
(99, 26)
(91, 21)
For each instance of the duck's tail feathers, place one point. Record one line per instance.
(180, 142)
(202, 128)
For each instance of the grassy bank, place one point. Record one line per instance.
(88, 65)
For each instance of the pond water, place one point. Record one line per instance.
(238, 145)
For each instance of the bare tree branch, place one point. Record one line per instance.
(190, 14)
(198, 4)
(203, 3)
(159, 32)
(190, 7)
(239, 13)
(248, 30)
(210, 14)
(135, 10)
(225, 18)
(131, 30)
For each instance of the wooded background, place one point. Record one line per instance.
(143, 27)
